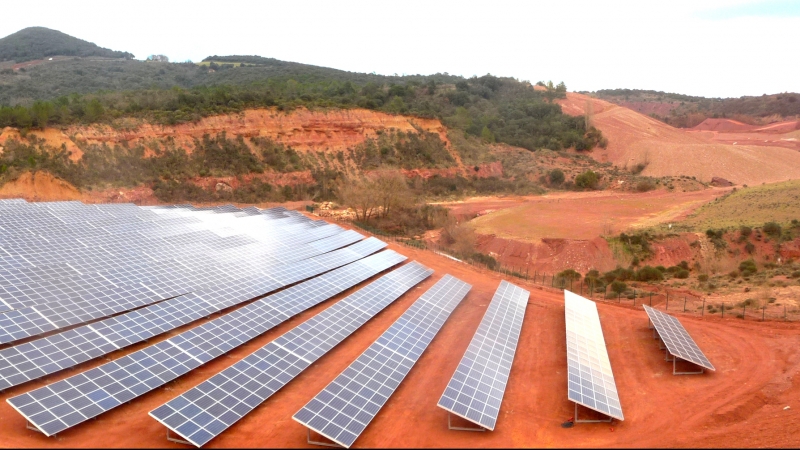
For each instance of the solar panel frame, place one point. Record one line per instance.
(675, 337)
(346, 406)
(475, 392)
(210, 408)
(135, 326)
(119, 381)
(590, 380)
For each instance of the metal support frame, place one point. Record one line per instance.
(575, 418)
(667, 354)
(177, 439)
(674, 367)
(324, 444)
(451, 427)
(30, 426)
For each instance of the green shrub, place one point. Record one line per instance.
(702, 278)
(745, 231)
(569, 274)
(587, 180)
(648, 273)
(556, 177)
(772, 229)
(747, 267)
(796, 274)
(618, 287)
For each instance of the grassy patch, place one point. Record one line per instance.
(752, 206)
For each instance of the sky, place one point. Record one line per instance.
(710, 48)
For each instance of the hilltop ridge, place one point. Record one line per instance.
(40, 42)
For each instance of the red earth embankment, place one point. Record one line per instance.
(666, 151)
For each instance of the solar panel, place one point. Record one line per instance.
(44, 356)
(676, 338)
(207, 410)
(66, 403)
(590, 380)
(342, 411)
(476, 389)
(91, 296)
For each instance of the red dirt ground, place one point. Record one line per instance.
(635, 138)
(741, 404)
(562, 230)
(781, 134)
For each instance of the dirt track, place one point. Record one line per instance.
(741, 404)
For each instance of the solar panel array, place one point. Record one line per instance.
(590, 380)
(676, 338)
(66, 403)
(345, 407)
(476, 389)
(65, 263)
(205, 411)
(44, 356)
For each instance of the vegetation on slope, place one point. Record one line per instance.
(489, 107)
(688, 111)
(39, 43)
(751, 206)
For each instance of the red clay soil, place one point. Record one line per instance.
(740, 405)
(39, 186)
(635, 138)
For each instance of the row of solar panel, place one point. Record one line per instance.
(344, 408)
(205, 411)
(75, 399)
(44, 356)
(29, 321)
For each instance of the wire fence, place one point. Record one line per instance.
(658, 296)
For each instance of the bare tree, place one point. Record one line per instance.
(392, 190)
(359, 195)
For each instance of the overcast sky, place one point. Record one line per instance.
(712, 48)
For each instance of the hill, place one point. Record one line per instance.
(39, 42)
(637, 141)
(687, 111)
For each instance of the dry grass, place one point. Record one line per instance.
(752, 206)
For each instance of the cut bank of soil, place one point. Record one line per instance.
(741, 404)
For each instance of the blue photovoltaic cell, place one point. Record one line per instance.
(210, 408)
(345, 407)
(41, 357)
(476, 389)
(676, 338)
(590, 380)
(68, 402)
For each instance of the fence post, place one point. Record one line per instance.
(634, 297)
(619, 297)
(684, 304)
(763, 312)
(703, 309)
(784, 311)
(666, 307)
(651, 299)
(744, 309)
(723, 309)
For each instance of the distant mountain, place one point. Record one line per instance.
(687, 111)
(39, 42)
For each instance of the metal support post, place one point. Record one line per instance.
(575, 419)
(451, 427)
(177, 439)
(675, 370)
(324, 444)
